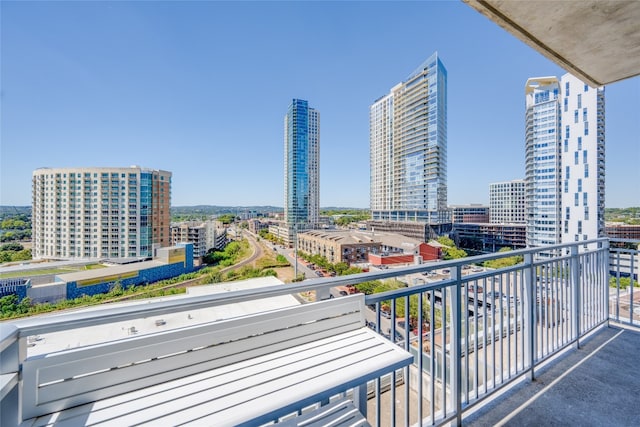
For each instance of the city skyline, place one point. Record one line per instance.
(198, 89)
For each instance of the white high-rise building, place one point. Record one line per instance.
(408, 148)
(542, 161)
(301, 166)
(100, 212)
(506, 202)
(564, 161)
(583, 160)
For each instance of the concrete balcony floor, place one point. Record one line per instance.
(596, 385)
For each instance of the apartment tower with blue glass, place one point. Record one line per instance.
(408, 148)
(301, 166)
(564, 160)
(100, 212)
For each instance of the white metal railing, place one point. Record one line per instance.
(472, 330)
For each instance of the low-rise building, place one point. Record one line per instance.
(617, 230)
(204, 236)
(358, 247)
(487, 237)
(469, 213)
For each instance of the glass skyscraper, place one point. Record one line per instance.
(301, 166)
(408, 148)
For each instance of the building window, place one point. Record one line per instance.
(579, 143)
(575, 116)
(566, 105)
(579, 185)
(579, 226)
(575, 158)
(566, 185)
(576, 199)
(566, 89)
(567, 213)
(566, 145)
(584, 199)
(586, 128)
(584, 156)
(584, 114)
(586, 213)
(579, 100)
(586, 87)
(586, 170)
(566, 131)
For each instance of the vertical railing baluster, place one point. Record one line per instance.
(529, 305)
(456, 338)
(432, 351)
(420, 349)
(604, 268)
(392, 337)
(575, 287)
(407, 338)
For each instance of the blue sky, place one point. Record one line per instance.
(201, 89)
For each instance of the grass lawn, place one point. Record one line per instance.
(35, 272)
(46, 271)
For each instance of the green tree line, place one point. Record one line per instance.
(11, 252)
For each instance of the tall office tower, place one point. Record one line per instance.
(564, 161)
(506, 202)
(92, 213)
(301, 166)
(408, 148)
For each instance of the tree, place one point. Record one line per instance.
(504, 262)
(11, 247)
(226, 219)
(450, 251)
(23, 255)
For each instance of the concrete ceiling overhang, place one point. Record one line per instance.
(597, 41)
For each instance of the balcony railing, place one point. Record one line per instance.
(473, 330)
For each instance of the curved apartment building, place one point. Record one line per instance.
(101, 212)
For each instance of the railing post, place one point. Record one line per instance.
(575, 287)
(13, 350)
(456, 344)
(529, 315)
(604, 271)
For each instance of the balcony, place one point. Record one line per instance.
(537, 332)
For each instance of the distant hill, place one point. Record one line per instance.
(221, 210)
(197, 209)
(14, 210)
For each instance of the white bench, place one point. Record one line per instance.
(242, 371)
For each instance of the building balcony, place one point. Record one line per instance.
(554, 336)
